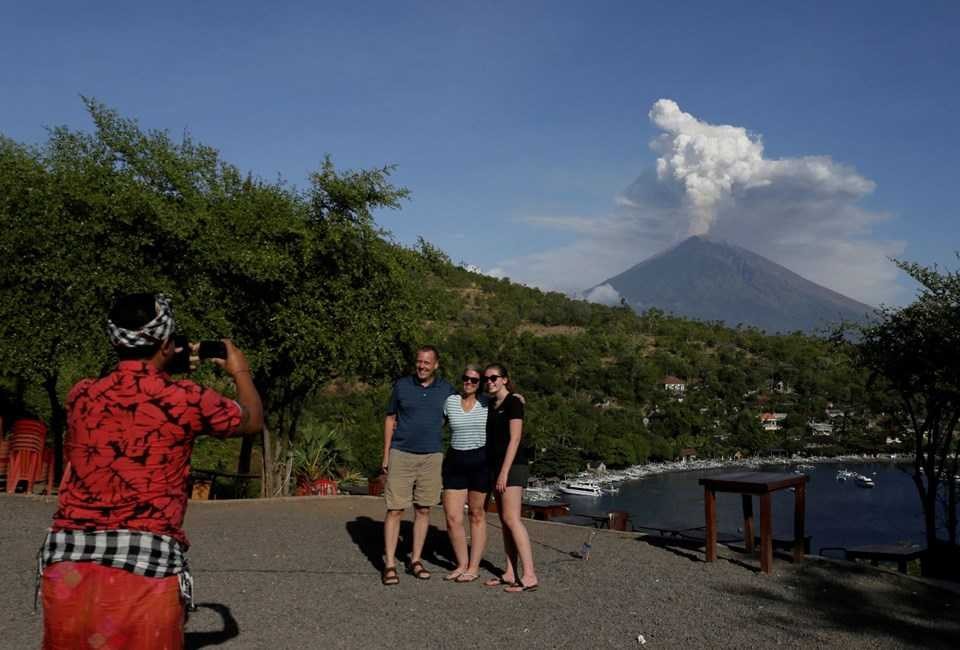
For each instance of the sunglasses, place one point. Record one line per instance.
(492, 377)
(467, 379)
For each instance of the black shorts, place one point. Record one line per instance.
(518, 475)
(466, 470)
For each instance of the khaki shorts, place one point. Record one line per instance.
(413, 478)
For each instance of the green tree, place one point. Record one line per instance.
(303, 280)
(914, 352)
(746, 433)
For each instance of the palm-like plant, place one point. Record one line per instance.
(319, 451)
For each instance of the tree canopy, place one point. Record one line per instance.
(914, 353)
(304, 281)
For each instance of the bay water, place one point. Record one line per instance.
(837, 513)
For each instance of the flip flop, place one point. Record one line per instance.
(466, 577)
(419, 571)
(519, 587)
(453, 576)
(389, 576)
(497, 582)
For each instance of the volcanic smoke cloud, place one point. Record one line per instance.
(715, 165)
(710, 179)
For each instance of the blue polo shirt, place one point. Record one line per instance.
(419, 411)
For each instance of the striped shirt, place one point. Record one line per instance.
(468, 428)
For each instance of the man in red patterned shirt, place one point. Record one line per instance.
(113, 563)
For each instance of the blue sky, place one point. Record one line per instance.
(523, 129)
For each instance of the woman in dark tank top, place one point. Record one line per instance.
(509, 468)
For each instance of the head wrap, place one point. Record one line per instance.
(156, 331)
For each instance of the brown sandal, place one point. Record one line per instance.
(389, 576)
(419, 571)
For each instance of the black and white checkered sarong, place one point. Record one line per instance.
(141, 553)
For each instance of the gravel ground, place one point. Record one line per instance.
(303, 573)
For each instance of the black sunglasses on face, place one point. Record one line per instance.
(491, 378)
(470, 380)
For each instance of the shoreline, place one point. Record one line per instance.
(605, 477)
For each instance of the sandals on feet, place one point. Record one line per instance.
(454, 575)
(466, 577)
(389, 576)
(519, 587)
(497, 582)
(419, 571)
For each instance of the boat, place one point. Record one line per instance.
(581, 488)
(865, 481)
(539, 493)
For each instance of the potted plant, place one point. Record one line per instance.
(317, 454)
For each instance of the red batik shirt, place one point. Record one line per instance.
(129, 439)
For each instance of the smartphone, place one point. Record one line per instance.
(212, 350)
(181, 362)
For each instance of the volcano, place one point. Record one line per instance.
(717, 281)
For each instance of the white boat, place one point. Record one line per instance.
(844, 474)
(581, 488)
(865, 482)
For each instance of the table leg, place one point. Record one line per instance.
(710, 510)
(799, 515)
(747, 521)
(766, 533)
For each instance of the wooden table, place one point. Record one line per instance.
(761, 484)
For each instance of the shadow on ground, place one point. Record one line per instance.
(367, 534)
(689, 549)
(849, 598)
(835, 597)
(230, 630)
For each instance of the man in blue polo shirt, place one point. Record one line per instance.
(412, 458)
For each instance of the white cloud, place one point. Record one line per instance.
(802, 212)
(604, 295)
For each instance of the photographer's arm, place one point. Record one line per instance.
(237, 367)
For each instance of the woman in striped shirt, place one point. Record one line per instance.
(466, 475)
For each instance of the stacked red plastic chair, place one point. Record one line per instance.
(27, 440)
(4, 458)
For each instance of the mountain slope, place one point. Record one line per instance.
(717, 281)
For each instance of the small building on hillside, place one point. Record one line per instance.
(674, 384)
(772, 421)
(820, 429)
(688, 453)
(781, 387)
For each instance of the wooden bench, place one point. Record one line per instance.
(876, 553)
(545, 511)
